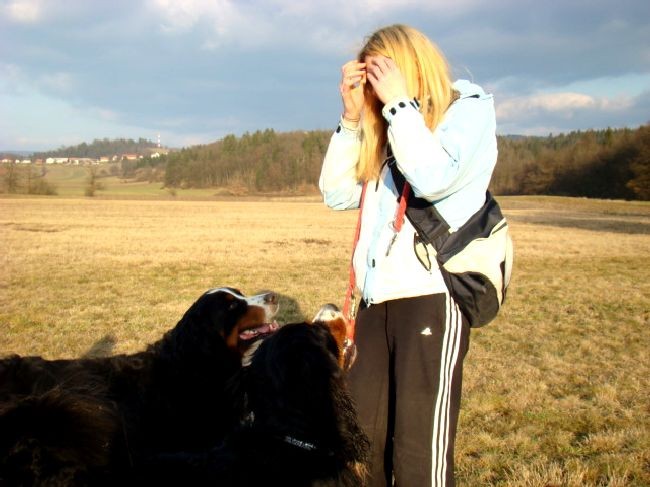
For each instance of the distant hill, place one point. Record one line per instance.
(596, 163)
(9, 154)
(260, 161)
(101, 147)
(611, 163)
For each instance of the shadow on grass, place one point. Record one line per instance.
(101, 348)
(596, 224)
(290, 311)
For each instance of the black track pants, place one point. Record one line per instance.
(406, 383)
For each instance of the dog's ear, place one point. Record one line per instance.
(333, 318)
(338, 329)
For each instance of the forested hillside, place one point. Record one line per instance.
(261, 161)
(101, 147)
(604, 164)
(599, 164)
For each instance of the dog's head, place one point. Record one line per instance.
(332, 317)
(295, 391)
(302, 357)
(241, 321)
(294, 382)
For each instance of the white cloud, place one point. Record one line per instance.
(441, 6)
(357, 9)
(11, 78)
(559, 104)
(106, 114)
(541, 114)
(24, 11)
(172, 64)
(183, 15)
(334, 26)
(59, 82)
(40, 122)
(218, 22)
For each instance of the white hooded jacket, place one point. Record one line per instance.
(450, 167)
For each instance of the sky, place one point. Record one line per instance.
(194, 71)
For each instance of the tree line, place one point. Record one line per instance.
(100, 147)
(611, 163)
(25, 179)
(596, 163)
(262, 161)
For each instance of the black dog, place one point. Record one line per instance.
(91, 421)
(299, 426)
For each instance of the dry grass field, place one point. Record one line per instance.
(556, 391)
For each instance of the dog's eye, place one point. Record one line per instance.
(233, 305)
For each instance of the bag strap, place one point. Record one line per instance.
(423, 215)
(349, 306)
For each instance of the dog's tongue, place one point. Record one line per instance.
(263, 329)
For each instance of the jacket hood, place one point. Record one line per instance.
(467, 88)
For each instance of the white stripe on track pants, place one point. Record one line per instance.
(406, 384)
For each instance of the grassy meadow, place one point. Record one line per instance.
(72, 181)
(556, 390)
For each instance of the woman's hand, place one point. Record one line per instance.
(386, 78)
(352, 82)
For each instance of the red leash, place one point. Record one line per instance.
(401, 209)
(349, 306)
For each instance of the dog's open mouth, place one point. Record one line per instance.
(259, 331)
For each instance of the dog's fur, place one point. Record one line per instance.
(299, 426)
(91, 421)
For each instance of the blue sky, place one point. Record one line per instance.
(196, 70)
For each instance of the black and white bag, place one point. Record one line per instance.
(475, 259)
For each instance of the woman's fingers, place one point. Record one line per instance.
(353, 73)
(353, 65)
(380, 65)
(385, 77)
(386, 63)
(374, 70)
(353, 78)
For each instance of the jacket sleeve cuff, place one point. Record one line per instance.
(346, 131)
(398, 105)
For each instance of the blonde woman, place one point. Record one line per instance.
(398, 99)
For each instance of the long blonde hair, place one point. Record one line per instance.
(427, 77)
